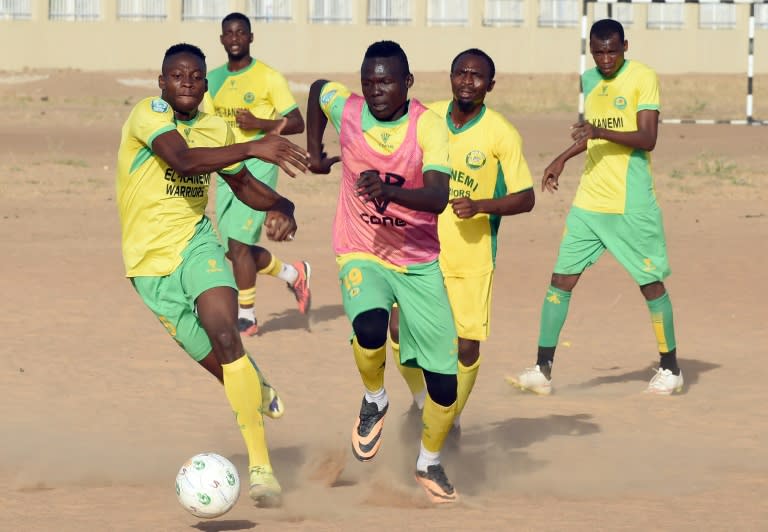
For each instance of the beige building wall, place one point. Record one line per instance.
(298, 46)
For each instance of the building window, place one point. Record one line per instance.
(389, 12)
(447, 13)
(15, 9)
(666, 16)
(503, 13)
(761, 16)
(330, 11)
(74, 10)
(559, 13)
(141, 10)
(620, 12)
(270, 10)
(196, 10)
(716, 16)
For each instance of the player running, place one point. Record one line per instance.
(394, 183)
(172, 255)
(255, 100)
(489, 179)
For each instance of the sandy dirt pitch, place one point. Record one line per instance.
(100, 407)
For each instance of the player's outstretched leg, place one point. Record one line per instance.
(437, 421)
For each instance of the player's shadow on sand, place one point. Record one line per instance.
(225, 524)
(691, 368)
(293, 320)
(484, 458)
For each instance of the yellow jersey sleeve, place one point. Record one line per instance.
(333, 96)
(151, 118)
(280, 93)
(432, 136)
(509, 152)
(648, 91)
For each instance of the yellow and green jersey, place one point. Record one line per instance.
(487, 162)
(258, 87)
(386, 137)
(159, 208)
(616, 178)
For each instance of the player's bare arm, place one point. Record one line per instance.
(644, 138)
(551, 177)
(511, 204)
(290, 124)
(432, 197)
(173, 149)
(319, 162)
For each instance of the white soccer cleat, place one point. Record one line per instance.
(664, 382)
(531, 380)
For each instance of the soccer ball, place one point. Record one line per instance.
(207, 485)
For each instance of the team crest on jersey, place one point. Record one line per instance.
(159, 106)
(620, 102)
(475, 159)
(248, 97)
(327, 97)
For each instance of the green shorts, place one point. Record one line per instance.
(427, 332)
(235, 219)
(636, 240)
(172, 297)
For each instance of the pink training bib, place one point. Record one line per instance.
(387, 230)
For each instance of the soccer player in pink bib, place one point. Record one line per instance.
(394, 184)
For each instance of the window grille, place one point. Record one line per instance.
(74, 10)
(448, 13)
(389, 12)
(504, 13)
(15, 9)
(142, 10)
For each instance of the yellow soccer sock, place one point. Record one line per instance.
(370, 364)
(274, 267)
(466, 381)
(241, 384)
(437, 421)
(414, 377)
(246, 297)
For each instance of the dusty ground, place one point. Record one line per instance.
(100, 407)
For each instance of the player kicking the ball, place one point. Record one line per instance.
(171, 253)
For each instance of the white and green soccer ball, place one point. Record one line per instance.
(207, 485)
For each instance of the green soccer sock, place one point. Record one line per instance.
(553, 313)
(663, 323)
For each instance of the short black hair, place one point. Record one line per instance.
(477, 52)
(237, 16)
(605, 28)
(184, 48)
(383, 49)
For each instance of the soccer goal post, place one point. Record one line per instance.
(748, 117)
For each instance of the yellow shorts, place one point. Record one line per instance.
(470, 299)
